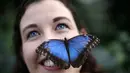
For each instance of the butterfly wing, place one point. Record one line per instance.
(57, 52)
(78, 47)
(58, 49)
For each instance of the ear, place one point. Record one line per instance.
(83, 31)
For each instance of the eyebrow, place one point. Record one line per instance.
(30, 26)
(60, 18)
(54, 20)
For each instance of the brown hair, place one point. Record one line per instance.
(20, 67)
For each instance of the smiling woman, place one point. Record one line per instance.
(39, 21)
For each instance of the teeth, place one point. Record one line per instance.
(48, 63)
(41, 57)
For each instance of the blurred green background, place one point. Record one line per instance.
(107, 19)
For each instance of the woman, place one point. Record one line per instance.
(40, 20)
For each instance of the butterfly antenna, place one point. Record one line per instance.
(66, 45)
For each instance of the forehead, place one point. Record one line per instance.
(43, 10)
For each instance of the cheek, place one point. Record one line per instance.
(29, 54)
(72, 33)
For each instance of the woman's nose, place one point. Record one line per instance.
(50, 35)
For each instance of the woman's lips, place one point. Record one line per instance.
(42, 59)
(51, 68)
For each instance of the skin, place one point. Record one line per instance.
(42, 21)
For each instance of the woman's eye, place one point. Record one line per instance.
(61, 26)
(33, 34)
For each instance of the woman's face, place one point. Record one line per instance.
(44, 20)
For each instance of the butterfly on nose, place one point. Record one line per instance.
(68, 52)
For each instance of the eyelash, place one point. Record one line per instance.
(60, 26)
(32, 34)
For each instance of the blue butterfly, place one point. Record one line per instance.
(72, 51)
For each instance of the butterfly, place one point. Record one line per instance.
(68, 52)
